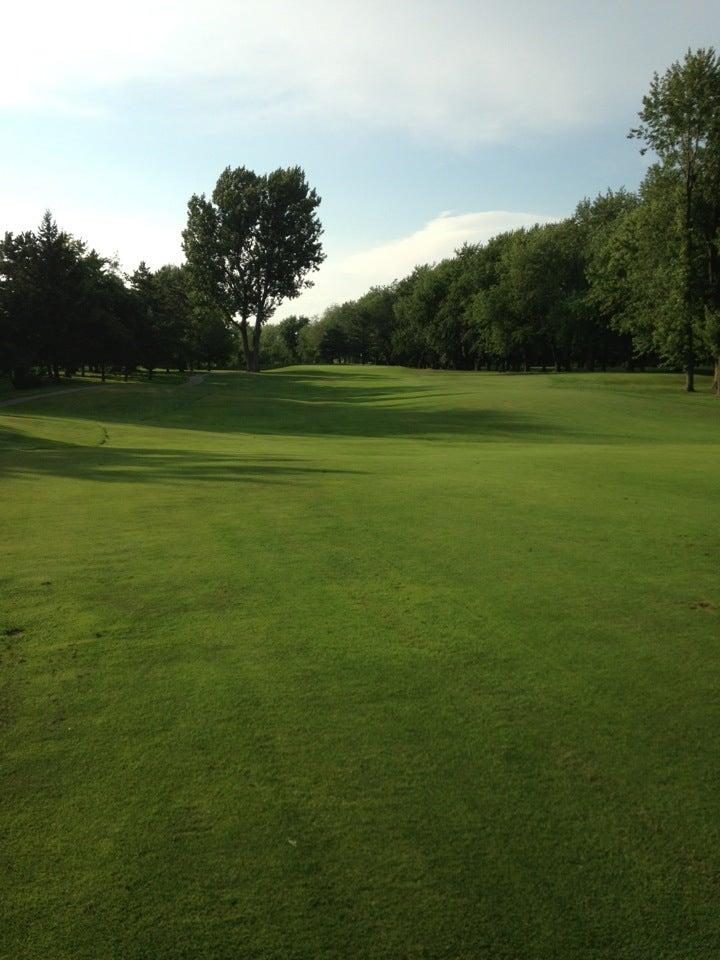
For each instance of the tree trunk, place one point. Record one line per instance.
(716, 378)
(256, 343)
(247, 352)
(690, 369)
(687, 292)
(102, 372)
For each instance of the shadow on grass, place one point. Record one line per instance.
(351, 403)
(24, 457)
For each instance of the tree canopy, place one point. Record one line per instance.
(64, 308)
(252, 245)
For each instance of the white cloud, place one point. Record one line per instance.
(345, 278)
(463, 70)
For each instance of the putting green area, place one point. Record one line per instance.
(361, 663)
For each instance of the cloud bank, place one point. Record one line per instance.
(467, 71)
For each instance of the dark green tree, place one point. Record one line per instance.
(680, 123)
(252, 245)
(289, 331)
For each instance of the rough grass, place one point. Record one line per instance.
(361, 663)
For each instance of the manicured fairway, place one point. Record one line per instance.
(361, 663)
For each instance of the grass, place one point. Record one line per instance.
(361, 663)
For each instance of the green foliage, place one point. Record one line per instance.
(524, 299)
(680, 123)
(59, 303)
(64, 308)
(252, 245)
(289, 330)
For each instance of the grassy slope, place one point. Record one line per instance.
(361, 663)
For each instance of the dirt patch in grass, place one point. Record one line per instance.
(704, 605)
(14, 632)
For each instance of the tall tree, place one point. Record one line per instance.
(19, 340)
(252, 245)
(680, 123)
(147, 330)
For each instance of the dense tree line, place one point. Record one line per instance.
(629, 278)
(64, 308)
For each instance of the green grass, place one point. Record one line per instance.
(361, 663)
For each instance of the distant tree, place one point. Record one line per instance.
(680, 123)
(57, 293)
(376, 312)
(333, 343)
(147, 332)
(173, 314)
(19, 335)
(213, 341)
(418, 299)
(252, 245)
(289, 330)
(274, 350)
(308, 340)
(107, 318)
(635, 274)
(598, 222)
(42, 276)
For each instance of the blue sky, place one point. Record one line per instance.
(421, 124)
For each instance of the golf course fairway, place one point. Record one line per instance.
(361, 662)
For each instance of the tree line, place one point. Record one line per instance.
(630, 278)
(65, 309)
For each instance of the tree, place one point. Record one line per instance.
(289, 331)
(598, 222)
(42, 278)
(147, 330)
(681, 125)
(376, 312)
(212, 339)
(173, 314)
(252, 245)
(19, 341)
(274, 349)
(333, 342)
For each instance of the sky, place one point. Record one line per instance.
(421, 124)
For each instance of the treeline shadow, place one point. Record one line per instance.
(308, 403)
(22, 457)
